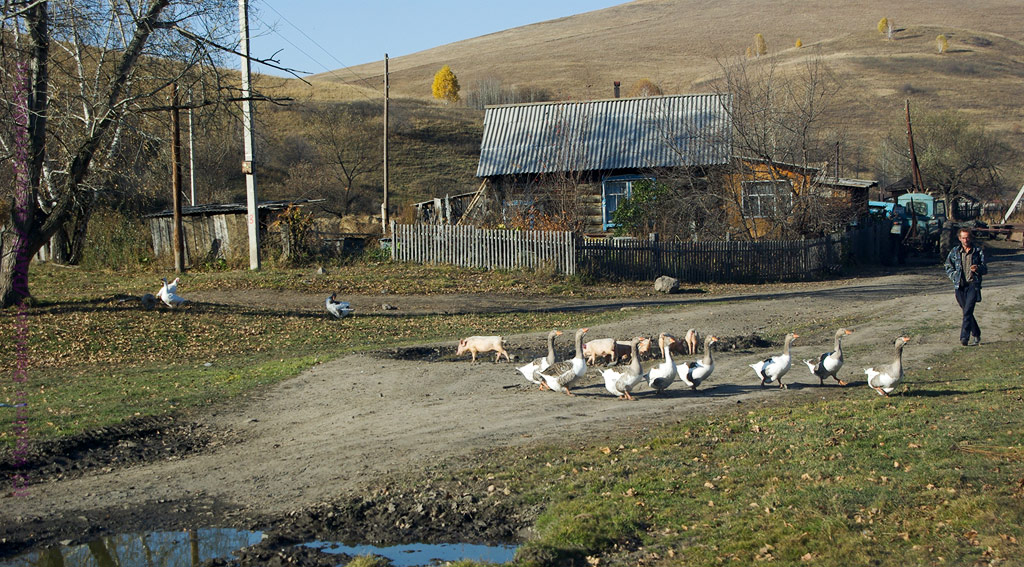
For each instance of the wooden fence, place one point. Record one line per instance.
(473, 247)
(692, 262)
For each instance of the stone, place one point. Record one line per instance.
(666, 284)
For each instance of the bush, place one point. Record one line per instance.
(116, 241)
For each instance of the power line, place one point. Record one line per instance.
(334, 72)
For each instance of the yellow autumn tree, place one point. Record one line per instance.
(883, 25)
(760, 45)
(799, 43)
(942, 43)
(446, 85)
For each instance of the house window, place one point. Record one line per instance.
(614, 190)
(763, 199)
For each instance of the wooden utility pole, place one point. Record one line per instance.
(191, 154)
(248, 165)
(914, 169)
(384, 206)
(179, 241)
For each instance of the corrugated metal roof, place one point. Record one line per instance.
(622, 133)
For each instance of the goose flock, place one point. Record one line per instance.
(622, 379)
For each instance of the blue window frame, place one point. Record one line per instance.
(614, 190)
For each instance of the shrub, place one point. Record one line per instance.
(941, 43)
(760, 46)
(799, 43)
(116, 241)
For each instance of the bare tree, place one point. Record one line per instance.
(348, 147)
(781, 118)
(956, 155)
(81, 76)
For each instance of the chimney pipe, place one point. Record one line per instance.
(616, 83)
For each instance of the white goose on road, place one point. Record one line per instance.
(620, 380)
(775, 367)
(829, 363)
(559, 376)
(887, 377)
(693, 373)
(662, 375)
(540, 363)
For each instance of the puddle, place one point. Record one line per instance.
(192, 548)
(153, 549)
(421, 554)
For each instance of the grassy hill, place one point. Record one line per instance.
(683, 46)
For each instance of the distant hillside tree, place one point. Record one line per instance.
(750, 52)
(942, 44)
(446, 85)
(799, 43)
(644, 88)
(883, 25)
(760, 46)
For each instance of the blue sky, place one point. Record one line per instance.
(321, 35)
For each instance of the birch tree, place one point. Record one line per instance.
(79, 78)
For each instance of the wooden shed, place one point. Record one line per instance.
(213, 231)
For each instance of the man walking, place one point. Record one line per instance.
(965, 265)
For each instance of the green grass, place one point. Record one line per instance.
(933, 476)
(94, 361)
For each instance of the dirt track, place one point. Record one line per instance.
(354, 423)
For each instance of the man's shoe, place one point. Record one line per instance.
(963, 343)
(975, 341)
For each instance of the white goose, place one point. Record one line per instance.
(337, 308)
(775, 367)
(559, 376)
(662, 375)
(167, 287)
(885, 379)
(620, 380)
(829, 363)
(540, 363)
(170, 298)
(693, 373)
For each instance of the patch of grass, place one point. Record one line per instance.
(94, 361)
(932, 476)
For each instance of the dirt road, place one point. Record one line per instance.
(352, 423)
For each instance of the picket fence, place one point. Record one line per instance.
(691, 262)
(473, 247)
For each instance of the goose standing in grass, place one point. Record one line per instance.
(775, 367)
(559, 376)
(829, 363)
(885, 379)
(620, 380)
(662, 375)
(170, 298)
(693, 373)
(540, 363)
(337, 308)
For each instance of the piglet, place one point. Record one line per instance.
(477, 344)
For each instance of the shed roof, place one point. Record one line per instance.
(233, 208)
(622, 133)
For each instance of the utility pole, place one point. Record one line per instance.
(179, 248)
(384, 205)
(914, 169)
(191, 153)
(248, 165)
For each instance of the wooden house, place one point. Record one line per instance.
(580, 159)
(765, 194)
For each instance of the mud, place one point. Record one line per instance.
(350, 450)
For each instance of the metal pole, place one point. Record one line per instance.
(179, 248)
(248, 165)
(384, 206)
(191, 153)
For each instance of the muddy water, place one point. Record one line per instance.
(217, 546)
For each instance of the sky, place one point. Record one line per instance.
(317, 36)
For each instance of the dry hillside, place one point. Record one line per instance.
(682, 45)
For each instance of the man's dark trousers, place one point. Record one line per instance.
(967, 296)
